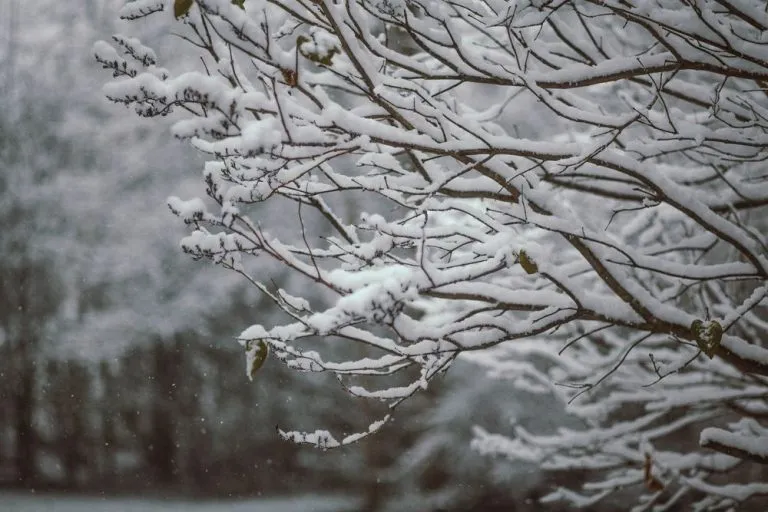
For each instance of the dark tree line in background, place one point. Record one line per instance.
(173, 415)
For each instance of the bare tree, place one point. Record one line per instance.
(571, 191)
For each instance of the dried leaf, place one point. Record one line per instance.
(707, 335)
(527, 263)
(181, 7)
(318, 58)
(647, 467)
(654, 485)
(256, 354)
(290, 76)
(651, 482)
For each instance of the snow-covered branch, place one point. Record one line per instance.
(569, 192)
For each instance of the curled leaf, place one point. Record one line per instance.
(256, 353)
(527, 263)
(181, 7)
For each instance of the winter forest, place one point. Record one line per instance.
(384, 255)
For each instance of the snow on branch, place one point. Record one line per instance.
(753, 447)
(579, 208)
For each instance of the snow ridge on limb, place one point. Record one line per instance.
(579, 208)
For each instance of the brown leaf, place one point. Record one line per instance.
(290, 76)
(651, 482)
(654, 485)
(647, 467)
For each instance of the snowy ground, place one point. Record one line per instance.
(21, 502)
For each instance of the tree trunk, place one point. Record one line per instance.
(108, 412)
(26, 468)
(162, 450)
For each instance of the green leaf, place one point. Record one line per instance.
(256, 353)
(708, 336)
(181, 7)
(239, 3)
(696, 327)
(714, 335)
